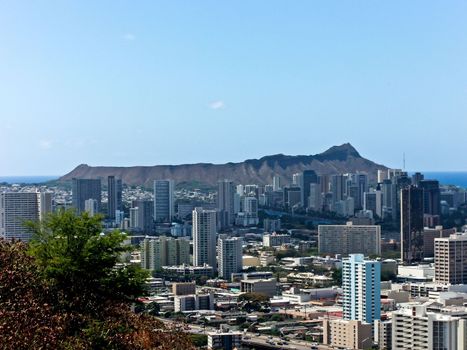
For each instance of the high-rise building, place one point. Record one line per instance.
(144, 221)
(451, 259)
(163, 200)
(162, 251)
(349, 239)
(91, 207)
(83, 189)
(373, 201)
(16, 208)
(45, 204)
(296, 179)
(276, 183)
(431, 197)
(315, 199)
(308, 177)
(411, 214)
(291, 197)
(229, 256)
(361, 284)
(114, 195)
(204, 237)
(337, 189)
(422, 327)
(226, 203)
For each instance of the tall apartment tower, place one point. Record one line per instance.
(114, 190)
(163, 200)
(451, 259)
(226, 203)
(204, 237)
(361, 283)
(229, 256)
(83, 189)
(15, 209)
(308, 177)
(411, 224)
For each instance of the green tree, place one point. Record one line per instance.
(75, 257)
(68, 291)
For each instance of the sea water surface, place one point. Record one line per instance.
(27, 179)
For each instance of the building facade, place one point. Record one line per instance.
(361, 284)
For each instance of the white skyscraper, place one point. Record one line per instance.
(204, 237)
(163, 200)
(15, 209)
(229, 256)
(361, 284)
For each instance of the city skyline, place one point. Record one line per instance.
(80, 79)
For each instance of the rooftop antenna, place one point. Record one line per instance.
(403, 161)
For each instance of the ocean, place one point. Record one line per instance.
(456, 178)
(26, 179)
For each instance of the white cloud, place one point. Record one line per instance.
(45, 144)
(129, 37)
(219, 104)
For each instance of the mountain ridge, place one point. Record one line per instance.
(337, 159)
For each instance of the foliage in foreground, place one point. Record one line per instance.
(65, 292)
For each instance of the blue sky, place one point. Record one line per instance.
(170, 82)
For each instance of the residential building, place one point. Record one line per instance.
(275, 239)
(451, 259)
(361, 284)
(204, 237)
(348, 334)
(224, 340)
(16, 208)
(162, 251)
(419, 327)
(193, 302)
(229, 256)
(383, 334)
(349, 239)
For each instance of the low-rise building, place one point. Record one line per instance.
(275, 239)
(184, 288)
(349, 334)
(225, 340)
(193, 302)
(263, 286)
